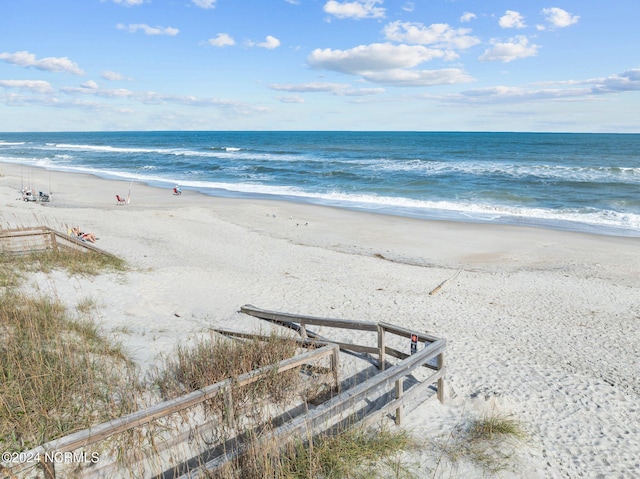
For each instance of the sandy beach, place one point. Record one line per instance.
(541, 325)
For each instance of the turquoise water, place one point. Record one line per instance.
(585, 182)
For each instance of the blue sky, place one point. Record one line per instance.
(421, 65)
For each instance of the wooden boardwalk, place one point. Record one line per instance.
(386, 389)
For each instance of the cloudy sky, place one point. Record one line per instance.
(421, 65)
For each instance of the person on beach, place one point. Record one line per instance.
(84, 236)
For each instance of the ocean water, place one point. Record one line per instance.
(583, 182)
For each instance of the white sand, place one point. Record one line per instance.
(541, 325)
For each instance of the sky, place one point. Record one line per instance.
(359, 65)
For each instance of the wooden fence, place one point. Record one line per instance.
(41, 238)
(348, 407)
(46, 453)
(300, 322)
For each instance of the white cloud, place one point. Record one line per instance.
(438, 34)
(270, 43)
(94, 90)
(36, 86)
(129, 3)
(207, 4)
(339, 89)
(388, 64)
(559, 18)
(374, 57)
(357, 9)
(51, 64)
(313, 87)
(419, 78)
(467, 17)
(409, 7)
(90, 85)
(512, 19)
(290, 99)
(504, 94)
(132, 28)
(222, 40)
(626, 81)
(514, 49)
(112, 76)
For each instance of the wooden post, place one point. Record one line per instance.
(228, 401)
(335, 363)
(440, 359)
(303, 331)
(381, 348)
(48, 467)
(399, 392)
(54, 242)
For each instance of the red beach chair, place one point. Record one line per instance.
(121, 200)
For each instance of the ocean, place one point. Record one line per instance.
(578, 182)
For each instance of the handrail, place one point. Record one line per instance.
(97, 433)
(316, 420)
(313, 420)
(56, 239)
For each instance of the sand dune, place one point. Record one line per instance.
(541, 325)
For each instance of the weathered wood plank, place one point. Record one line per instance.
(97, 433)
(244, 335)
(441, 392)
(314, 421)
(409, 398)
(381, 348)
(400, 331)
(41, 238)
(317, 321)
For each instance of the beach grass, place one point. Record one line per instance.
(489, 442)
(14, 267)
(357, 452)
(209, 360)
(58, 374)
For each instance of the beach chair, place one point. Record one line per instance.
(177, 190)
(73, 235)
(43, 197)
(121, 200)
(27, 195)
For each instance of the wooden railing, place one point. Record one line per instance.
(346, 407)
(47, 452)
(41, 238)
(300, 322)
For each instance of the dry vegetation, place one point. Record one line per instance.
(489, 442)
(57, 373)
(60, 374)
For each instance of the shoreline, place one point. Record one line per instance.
(541, 325)
(425, 214)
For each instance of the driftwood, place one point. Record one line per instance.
(437, 288)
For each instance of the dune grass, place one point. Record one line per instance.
(210, 360)
(57, 374)
(60, 374)
(15, 267)
(355, 453)
(489, 442)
